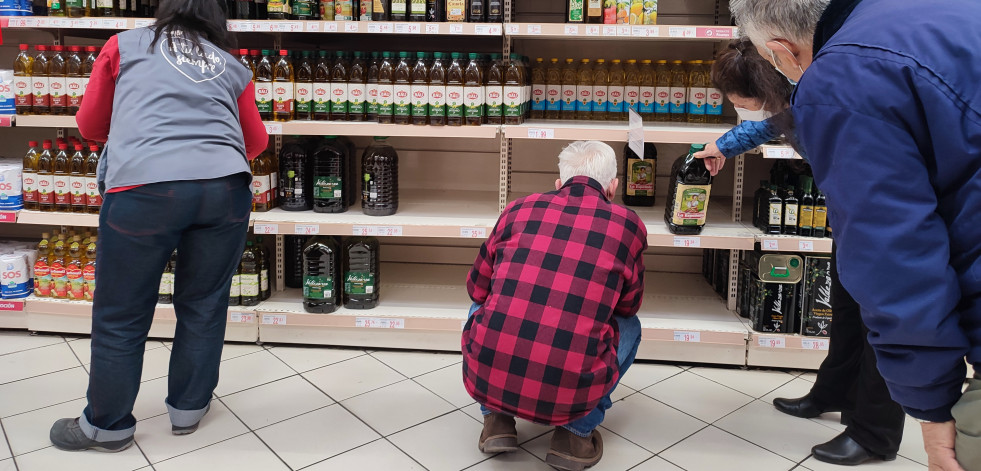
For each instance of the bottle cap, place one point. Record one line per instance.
(75, 48)
(403, 55)
(41, 47)
(90, 49)
(78, 147)
(253, 52)
(386, 55)
(32, 143)
(697, 148)
(322, 54)
(584, 61)
(438, 55)
(23, 47)
(554, 60)
(420, 55)
(58, 48)
(243, 52)
(645, 61)
(94, 148)
(265, 52)
(454, 55)
(62, 146)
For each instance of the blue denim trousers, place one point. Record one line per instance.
(206, 221)
(630, 331)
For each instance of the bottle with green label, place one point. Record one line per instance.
(249, 267)
(473, 92)
(775, 214)
(361, 272)
(278, 9)
(575, 11)
(330, 167)
(305, 9)
(321, 275)
(402, 90)
(638, 176)
(806, 218)
(688, 198)
(820, 226)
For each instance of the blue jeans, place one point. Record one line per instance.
(626, 352)
(206, 221)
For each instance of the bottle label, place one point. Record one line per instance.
(386, 97)
(76, 89)
(599, 98)
(62, 189)
(456, 10)
(715, 102)
(103, 3)
(343, 10)
(691, 205)
(398, 7)
(418, 7)
(806, 217)
(264, 280)
(662, 102)
(403, 99)
(420, 99)
(59, 280)
(379, 6)
(88, 277)
(494, 100)
(321, 97)
(318, 287)
(697, 99)
(45, 189)
(575, 11)
(631, 98)
(454, 101)
(359, 282)
(76, 3)
(538, 98)
(277, 6)
(640, 180)
(23, 92)
(820, 217)
(365, 11)
(647, 100)
(283, 97)
(372, 99)
(553, 97)
(250, 285)
(29, 187)
(679, 100)
(260, 189)
(92, 197)
(569, 98)
(338, 97)
(77, 190)
(42, 94)
(776, 214)
(304, 97)
(42, 278)
(263, 96)
(356, 98)
(236, 289)
(790, 216)
(615, 99)
(327, 188)
(585, 98)
(473, 101)
(166, 284)
(437, 100)
(76, 285)
(513, 101)
(301, 8)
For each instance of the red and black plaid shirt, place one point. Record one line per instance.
(555, 270)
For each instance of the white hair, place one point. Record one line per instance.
(593, 159)
(765, 20)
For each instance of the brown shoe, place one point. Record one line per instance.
(570, 452)
(499, 434)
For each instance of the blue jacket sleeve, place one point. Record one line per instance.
(747, 136)
(894, 250)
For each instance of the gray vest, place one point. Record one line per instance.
(174, 114)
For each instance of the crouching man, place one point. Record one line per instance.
(556, 289)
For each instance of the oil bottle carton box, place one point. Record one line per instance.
(816, 306)
(775, 307)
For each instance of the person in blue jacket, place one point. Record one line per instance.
(888, 109)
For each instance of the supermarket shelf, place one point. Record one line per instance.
(366, 128)
(453, 214)
(48, 22)
(58, 219)
(780, 152)
(64, 316)
(602, 31)
(787, 351)
(719, 232)
(667, 133)
(40, 121)
(789, 243)
(12, 315)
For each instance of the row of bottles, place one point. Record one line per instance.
(65, 265)
(474, 11)
(601, 91)
(55, 179)
(250, 282)
(97, 8)
(408, 88)
(634, 12)
(334, 271)
(786, 210)
(52, 81)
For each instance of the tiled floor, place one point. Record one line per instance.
(318, 409)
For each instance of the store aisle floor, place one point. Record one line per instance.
(314, 408)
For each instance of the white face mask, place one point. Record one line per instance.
(750, 115)
(774, 58)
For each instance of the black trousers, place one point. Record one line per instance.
(849, 378)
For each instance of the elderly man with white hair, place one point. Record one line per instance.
(556, 289)
(888, 110)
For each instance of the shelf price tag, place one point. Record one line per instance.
(771, 244)
(541, 133)
(780, 152)
(432, 28)
(241, 317)
(274, 128)
(374, 27)
(688, 242)
(645, 31)
(456, 28)
(623, 30)
(684, 336)
(815, 344)
(609, 31)
(534, 30)
(806, 245)
(351, 27)
(306, 229)
(681, 31)
(8, 216)
(6, 121)
(387, 28)
(379, 323)
(772, 342)
(11, 305)
(313, 26)
(513, 29)
(330, 27)
(473, 232)
(571, 30)
(143, 23)
(482, 30)
(274, 319)
(415, 28)
(265, 229)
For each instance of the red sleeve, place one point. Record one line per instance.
(96, 111)
(256, 139)
(632, 293)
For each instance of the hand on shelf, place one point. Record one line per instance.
(714, 160)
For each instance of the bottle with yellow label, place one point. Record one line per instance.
(688, 198)
(698, 87)
(679, 92)
(806, 218)
(820, 226)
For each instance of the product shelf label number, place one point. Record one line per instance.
(274, 319)
(241, 317)
(379, 231)
(815, 344)
(687, 242)
(265, 229)
(306, 229)
(772, 342)
(683, 336)
(379, 323)
(473, 232)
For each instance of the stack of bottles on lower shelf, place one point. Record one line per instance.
(16, 268)
(250, 282)
(57, 179)
(789, 204)
(64, 267)
(334, 271)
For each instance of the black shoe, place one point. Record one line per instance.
(805, 407)
(844, 451)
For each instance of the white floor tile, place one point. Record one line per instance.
(520, 460)
(249, 371)
(159, 444)
(900, 464)
(656, 464)
(316, 436)
(527, 431)
(83, 348)
(352, 377)
(810, 376)
(618, 453)
(642, 375)
(156, 364)
(397, 407)
(150, 401)
(36, 362)
(29, 431)
(7, 465)
(234, 350)
(752, 382)
(4, 449)
(51, 458)
(912, 446)
(650, 423)
(712, 450)
(277, 401)
(448, 443)
(621, 392)
(413, 364)
(378, 455)
(303, 359)
(788, 436)
(448, 383)
(697, 396)
(42, 391)
(831, 420)
(241, 453)
(16, 341)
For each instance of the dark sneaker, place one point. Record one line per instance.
(67, 435)
(499, 434)
(570, 452)
(176, 430)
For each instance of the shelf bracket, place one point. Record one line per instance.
(280, 263)
(733, 291)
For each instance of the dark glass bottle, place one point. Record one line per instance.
(434, 10)
(361, 272)
(294, 180)
(417, 10)
(806, 208)
(250, 276)
(381, 10)
(638, 176)
(380, 183)
(321, 275)
(476, 13)
(330, 162)
(262, 255)
(688, 198)
(165, 295)
(820, 215)
(759, 204)
(791, 213)
(495, 11)
(399, 10)
(775, 214)
(244, 9)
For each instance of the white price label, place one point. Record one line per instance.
(330, 27)
(242, 26)
(681, 31)
(482, 30)
(456, 28)
(609, 30)
(623, 30)
(266, 229)
(351, 27)
(571, 30)
(541, 133)
(645, 31)
(432, 28)
(771, 244)
(513, 29)
(313, 26)
(772, 342)
(262, 26)
(374, 27)
(381, 231)
(780, 153)
(143, 23)
(387, 28)
(274, 319)
(306, 229)
(274, 128)
(592, 30)
(806, 246)
(682, 336)
(379, 323)
(689, 242)
(278, 27)
(815, 344)
(293, 27)
(534, 30)
(415, 28)
(473, 232)
(241, 317)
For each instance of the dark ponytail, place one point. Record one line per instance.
(195, 19)
(741, 70)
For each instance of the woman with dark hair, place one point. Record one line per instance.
(178, 116)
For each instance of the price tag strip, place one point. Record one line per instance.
(306, 229)
(541, 133)
(274, 319)
(688, 242)
(684, 336)
(242, 317)
(265, 229)
(770, 244)
(379, 323)
(815, 344)
(473, 232)
(772, 342)
(378, 231)
(274, 128)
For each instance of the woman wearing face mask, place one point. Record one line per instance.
(761, 97)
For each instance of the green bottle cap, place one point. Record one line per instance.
(403, 55)
(322, 53)
(358, 54)
(339, 54)
(265, 52)
(473, 56)
(420, 55)
(330, 137)
(248, 243)
(305, 54)
(697, 148)
(438, 55)
(515, 57)
(387, 55)
(455, 55)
